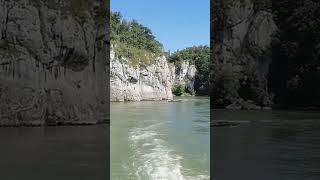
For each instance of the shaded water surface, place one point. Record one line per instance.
(54, 153)
(160, 140)
(277, 145)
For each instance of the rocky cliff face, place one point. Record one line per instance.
(127, 83)
(53, 65)
(184, 74)
(243, 37)
(152, 82)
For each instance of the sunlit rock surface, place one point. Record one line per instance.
(128, 83)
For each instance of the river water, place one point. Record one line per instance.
(54, 153)
(277, 145)
(160, 140)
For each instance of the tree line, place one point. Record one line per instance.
(133, 40)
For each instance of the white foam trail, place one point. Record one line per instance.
(157, 161)
(199, 177)
(153, 159)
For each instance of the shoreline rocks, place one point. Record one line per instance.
(246, 105)
(222, 124)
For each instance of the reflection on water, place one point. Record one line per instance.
(267, 145)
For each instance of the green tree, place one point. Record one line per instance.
(133, 40)
(178, 89)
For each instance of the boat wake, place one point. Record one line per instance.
(153, 159)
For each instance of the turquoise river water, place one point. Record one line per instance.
(159, 140)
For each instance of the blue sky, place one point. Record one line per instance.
(177, 24)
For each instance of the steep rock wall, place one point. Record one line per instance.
(243, 35)
(152, 82)
(53, 65)
(184, 74)
(128, 83)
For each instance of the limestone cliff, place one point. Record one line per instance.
(243, 36)
(53, 62)
(150, 82)
(128, 83)
(184, 74)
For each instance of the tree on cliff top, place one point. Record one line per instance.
(133, 40)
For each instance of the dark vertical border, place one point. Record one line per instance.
(108, 86)
(215, 37)
(212, 40)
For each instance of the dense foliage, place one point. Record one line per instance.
(178, 89)
(133, 40)
(295, 72)
(200, 57)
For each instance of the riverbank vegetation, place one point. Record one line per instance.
(295, 71)
(134, 41)
(179, 89)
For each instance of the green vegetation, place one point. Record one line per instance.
(179, 89)
(295, 69)
(133, 41)
(224, 83)
(200, 57)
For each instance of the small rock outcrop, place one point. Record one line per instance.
(184, 74)
(53, 65)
